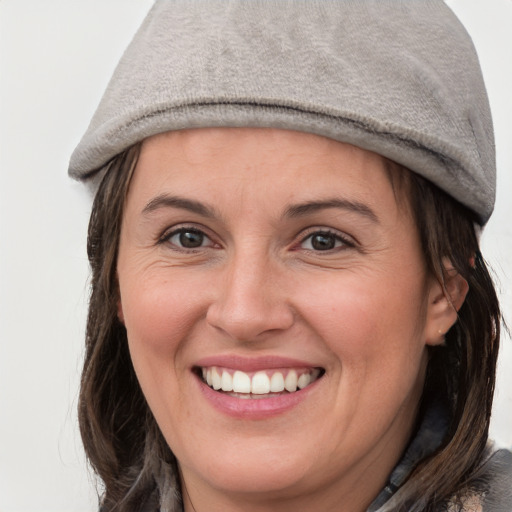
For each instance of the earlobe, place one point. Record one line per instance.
(444, 304)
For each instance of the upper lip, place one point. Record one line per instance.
(253, 364)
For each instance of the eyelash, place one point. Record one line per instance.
(344, 242)
(168, 236)
(340, 242)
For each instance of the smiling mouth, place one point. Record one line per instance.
(260, 384)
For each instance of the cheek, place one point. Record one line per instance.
(159, 311)
(379, 355)
(368, 322)
(160, 318)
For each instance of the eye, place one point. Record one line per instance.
(324, 241)
(188, 238)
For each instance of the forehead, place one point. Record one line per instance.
(214, 159)
(196, 145)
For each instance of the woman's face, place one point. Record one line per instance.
(277, 265)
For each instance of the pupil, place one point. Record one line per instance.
(323, 242)
(191, 239)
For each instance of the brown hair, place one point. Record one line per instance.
(462, 372)
(121, 438)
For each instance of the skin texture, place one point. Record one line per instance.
(364, 311)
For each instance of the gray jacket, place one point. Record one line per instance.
(491, 484)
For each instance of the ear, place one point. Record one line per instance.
(444, 303)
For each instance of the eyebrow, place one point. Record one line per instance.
(309, 207)
(293, 211)
(168, 201)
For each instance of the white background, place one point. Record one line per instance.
(56, 57)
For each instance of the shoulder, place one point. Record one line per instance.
(490, 488)
(496, 473)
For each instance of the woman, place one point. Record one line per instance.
(289, 308)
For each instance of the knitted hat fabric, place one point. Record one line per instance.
(397, 77)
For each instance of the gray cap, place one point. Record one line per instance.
(397, 77)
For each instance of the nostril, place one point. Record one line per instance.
(249, 324)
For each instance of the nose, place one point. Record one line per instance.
(250, 301)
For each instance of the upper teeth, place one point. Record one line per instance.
(259, 383)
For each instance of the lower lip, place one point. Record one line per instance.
(257, 408)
